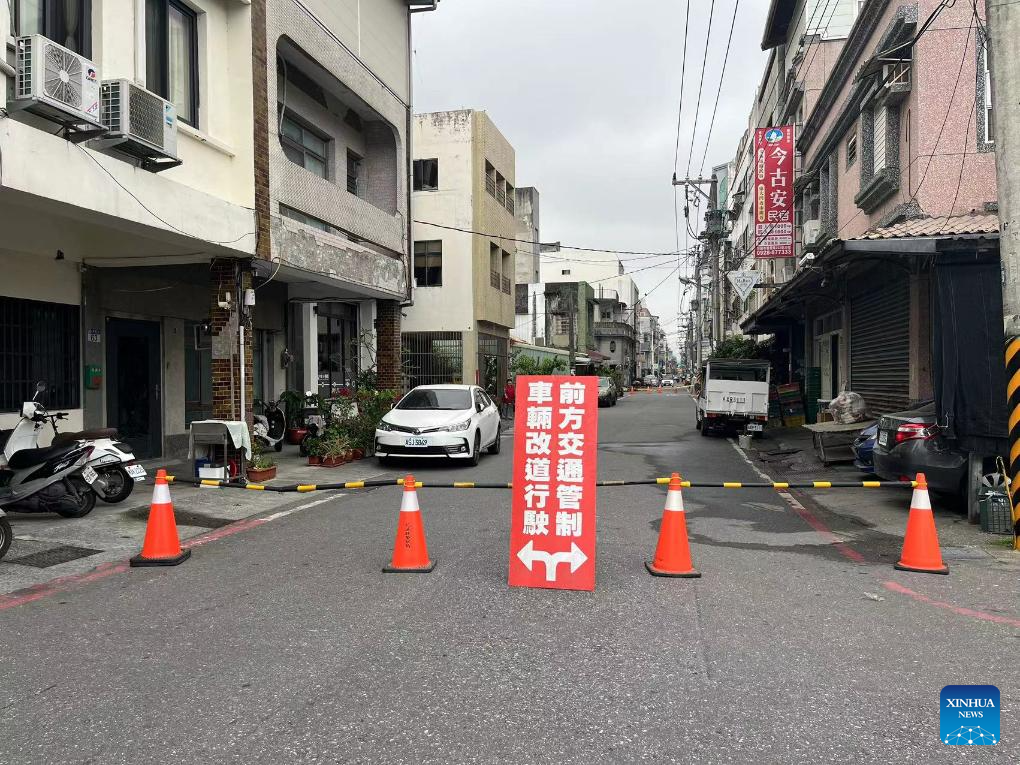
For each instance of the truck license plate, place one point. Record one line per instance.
(89, 474)
(416, 442)
(136, 471)
(754, 427)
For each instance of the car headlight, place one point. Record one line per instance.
(383, 425)
(460, 426)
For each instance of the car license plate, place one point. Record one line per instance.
(883, 439)
(417, 443)
(89, 474)
(754, 427)
(136, 471)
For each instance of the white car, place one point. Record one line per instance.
(455, 421)
(667, 382)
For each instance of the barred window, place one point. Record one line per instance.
(432, 358)
(39, 341)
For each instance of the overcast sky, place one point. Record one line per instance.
(587, 93)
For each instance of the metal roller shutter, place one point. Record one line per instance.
(880, 347)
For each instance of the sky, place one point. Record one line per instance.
(587, 92)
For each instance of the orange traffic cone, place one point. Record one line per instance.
(162, 547)
(921, 543)
(673, 553)
(410, 555)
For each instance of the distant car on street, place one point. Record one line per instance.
(607, 391)
(668, 382)
(864, 448)
(651, 381)
(911, 442)
(454, 421)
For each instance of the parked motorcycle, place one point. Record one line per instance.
(314, 422)
(6, 535)
(112, 460)
(269, 427)
(54, 479)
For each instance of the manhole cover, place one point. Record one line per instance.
(54, 556)
(183, 518)
(963, 553)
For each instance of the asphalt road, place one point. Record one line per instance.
(285, 643)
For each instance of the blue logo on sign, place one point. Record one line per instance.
(773, 134)
(969, 715)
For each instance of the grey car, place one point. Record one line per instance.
(911, 442)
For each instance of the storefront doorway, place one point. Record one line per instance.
(133, 394)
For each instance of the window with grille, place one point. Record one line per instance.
(428, 263)
(432, 358)
(303, 145)
(39, 341)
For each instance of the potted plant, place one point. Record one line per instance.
(333, 447)
(262, 466)
(293, 404)
(314, 455)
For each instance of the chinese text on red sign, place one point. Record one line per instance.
(773, 192)
(552, 534)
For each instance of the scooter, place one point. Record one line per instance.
(269, 427)
(113, 461)
(51, 480)
(314, 422)
(6, 535)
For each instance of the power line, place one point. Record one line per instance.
(680, 103)
(718, 91)
(697, 107)
(557, 244)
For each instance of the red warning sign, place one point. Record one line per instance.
(552, 532)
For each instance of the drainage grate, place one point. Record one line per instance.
(54, 556)
(183, 518)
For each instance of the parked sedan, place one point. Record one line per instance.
(607, 391)
(911, 442)
(455, 421)
(864, 449)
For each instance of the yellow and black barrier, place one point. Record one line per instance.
(309, 487)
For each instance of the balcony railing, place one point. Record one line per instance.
(494, 279)
(506, 284)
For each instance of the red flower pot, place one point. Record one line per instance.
(332, 461)
(359, 453)
(258, 476)
(294, 435)
(314, 459)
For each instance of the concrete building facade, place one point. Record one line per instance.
(146, 276)
(458, 329)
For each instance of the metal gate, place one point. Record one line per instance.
(880, 346)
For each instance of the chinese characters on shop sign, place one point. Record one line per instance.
(773, 192)
(552, 534)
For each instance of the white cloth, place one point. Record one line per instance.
(240, 438)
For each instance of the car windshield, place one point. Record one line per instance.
(604, 382)
(436, 398)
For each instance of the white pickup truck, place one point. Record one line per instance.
(734, 395)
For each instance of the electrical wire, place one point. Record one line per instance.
(680, 101)
(697, 107)
(154, 214)
(718, 92)
(528, 241)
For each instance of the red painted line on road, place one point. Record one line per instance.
(974, 614)
(64, 583)
(824, 531)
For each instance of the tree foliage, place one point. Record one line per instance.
(523, 364)
(742, 347)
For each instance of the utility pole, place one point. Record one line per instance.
(572, 336)
(699, 317)
(1003, 32)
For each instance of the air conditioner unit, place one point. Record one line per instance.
(811, 229)
(56, 83)
(140, 124)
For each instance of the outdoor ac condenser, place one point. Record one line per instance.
(56, 83)
(140, 124)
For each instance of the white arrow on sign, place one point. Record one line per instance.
(528, 555)
(743, 281)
